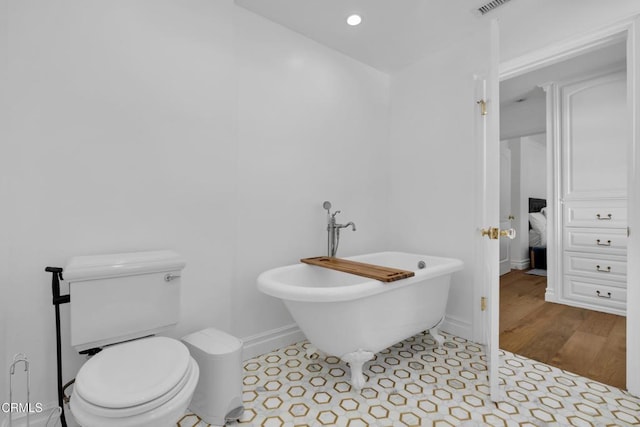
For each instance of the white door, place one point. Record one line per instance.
(633, 249)
(505, 206)
(488, 205)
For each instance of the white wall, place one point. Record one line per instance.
(184, 125)
(312, 126)
(524, 118)
(432, 161)
(4, 160)
(121, 138)
(534, 166)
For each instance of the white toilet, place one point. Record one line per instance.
(118, 302)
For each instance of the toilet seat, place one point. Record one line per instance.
(132, 373)
(135, 383)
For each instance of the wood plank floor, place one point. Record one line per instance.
(585, 342)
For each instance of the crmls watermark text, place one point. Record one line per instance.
(21, 408)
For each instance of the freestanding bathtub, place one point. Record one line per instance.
(353, 317)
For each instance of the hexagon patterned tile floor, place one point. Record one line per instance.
(415, 383)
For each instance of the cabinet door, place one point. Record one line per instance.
(595, 137)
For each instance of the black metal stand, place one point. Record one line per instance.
(57, 300)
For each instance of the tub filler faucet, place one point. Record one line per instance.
(333, 230)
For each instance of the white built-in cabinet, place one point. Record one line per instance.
(592, 193)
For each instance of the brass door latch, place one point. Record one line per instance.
(494, 233)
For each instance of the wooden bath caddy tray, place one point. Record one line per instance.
(377, 272)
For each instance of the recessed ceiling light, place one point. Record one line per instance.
(354, 20)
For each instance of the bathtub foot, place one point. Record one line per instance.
(435, 333)
(356, 361)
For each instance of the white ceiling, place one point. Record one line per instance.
(393, 33)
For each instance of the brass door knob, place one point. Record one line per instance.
(510, 233)
(494, 233)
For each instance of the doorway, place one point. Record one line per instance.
(565, 312)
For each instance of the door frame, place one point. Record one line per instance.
(505, 216)
(630, 30)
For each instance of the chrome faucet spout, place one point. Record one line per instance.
(333, 230)
(349, 224)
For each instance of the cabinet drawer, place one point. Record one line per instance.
(601, 214)
(597, 240)
(596, 292)
(597, 266)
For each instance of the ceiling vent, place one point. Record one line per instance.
(491, 6)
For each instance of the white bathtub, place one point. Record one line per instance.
(353, 317)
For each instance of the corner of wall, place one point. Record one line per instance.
(458, 327)
(271, 340)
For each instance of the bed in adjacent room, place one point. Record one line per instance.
(538, 233)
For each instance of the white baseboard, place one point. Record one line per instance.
(522, 264)
(550, 295)
(265, 342)
(458, 327)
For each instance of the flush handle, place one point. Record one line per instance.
(169, 277)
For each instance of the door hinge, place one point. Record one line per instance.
(483, 303)
(483, 107)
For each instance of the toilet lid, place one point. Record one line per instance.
(133, 373)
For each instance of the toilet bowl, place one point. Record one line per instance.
(140, 383)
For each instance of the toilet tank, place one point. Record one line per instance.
(119, 297)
